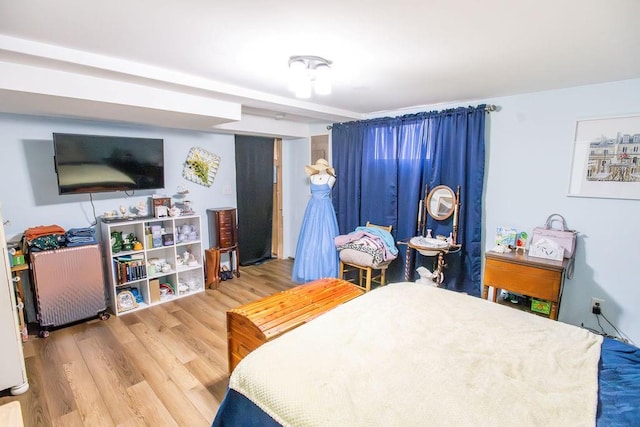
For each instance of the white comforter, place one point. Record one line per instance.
(409, 355)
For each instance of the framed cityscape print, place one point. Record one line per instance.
(606, 158)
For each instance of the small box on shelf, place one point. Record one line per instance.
(167, 239)
(154, 290)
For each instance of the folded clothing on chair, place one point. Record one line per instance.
(366, 246)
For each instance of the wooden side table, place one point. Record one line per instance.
(223, 235)
(525, 275)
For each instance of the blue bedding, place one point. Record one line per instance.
(619, 385)
(618, 394)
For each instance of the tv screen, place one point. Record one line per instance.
(97, 163)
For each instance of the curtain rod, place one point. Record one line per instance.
(488, 108)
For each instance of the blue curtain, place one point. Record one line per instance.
(383, 165)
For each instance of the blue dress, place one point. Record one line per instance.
(316, 254)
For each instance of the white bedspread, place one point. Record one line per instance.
(415, 355)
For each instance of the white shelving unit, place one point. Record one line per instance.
(141, 271)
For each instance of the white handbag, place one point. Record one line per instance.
(562, 236)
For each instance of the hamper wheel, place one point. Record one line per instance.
(43, 333)
(104, 316)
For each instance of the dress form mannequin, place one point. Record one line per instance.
(316, 255)
(323, 177)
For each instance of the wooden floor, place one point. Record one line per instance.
(164, 366)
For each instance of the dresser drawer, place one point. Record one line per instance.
(226, 239)
(537, 278)
(525, 280)
(223, 229)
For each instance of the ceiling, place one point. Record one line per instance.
(386, 55)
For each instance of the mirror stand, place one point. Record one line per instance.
(439, 204)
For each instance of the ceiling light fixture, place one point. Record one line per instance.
(309, 73)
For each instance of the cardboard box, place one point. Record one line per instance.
(154, 290)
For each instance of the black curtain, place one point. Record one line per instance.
(254, 186)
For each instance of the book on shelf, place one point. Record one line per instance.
(129, 270)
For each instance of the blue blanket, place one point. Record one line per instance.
(619, 384)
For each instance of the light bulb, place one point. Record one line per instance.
(322, 83)
(297, 74)
(303, 90)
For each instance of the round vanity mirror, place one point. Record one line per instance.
(441, 202)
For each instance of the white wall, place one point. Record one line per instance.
(296, 192)
(29, 194)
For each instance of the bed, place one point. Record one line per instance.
(411, 354)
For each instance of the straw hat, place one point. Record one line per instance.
(321, 165)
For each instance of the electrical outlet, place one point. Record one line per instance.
(596, 305)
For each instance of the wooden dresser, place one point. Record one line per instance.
(521, 274)
(223, 228)
(251, 325)
(223, 234)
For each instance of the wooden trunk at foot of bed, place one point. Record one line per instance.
(251, 325)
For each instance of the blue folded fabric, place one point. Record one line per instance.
(81, 232)
(81, 236)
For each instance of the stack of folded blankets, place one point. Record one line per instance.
(369, 246)
(81, 236)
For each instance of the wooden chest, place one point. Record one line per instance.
(251, 325)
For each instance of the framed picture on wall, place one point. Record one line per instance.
(606, 158)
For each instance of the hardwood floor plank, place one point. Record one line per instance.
(150, 407)
(179, 374)
(122, 409)
(72, 419)
(112, 349)
(35, 409)
(166, 365)
(91, 408)
(202, 399)
(165, 334)
(176, 402)
(58, 394)
(165, 315)
(211, 377)
(163, 355)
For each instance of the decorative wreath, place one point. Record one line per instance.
(201, 166)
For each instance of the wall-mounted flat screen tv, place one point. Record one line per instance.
(99, 163)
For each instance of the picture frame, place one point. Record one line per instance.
(126, 301)
(606, 158)
(201, 166)
(161, 206)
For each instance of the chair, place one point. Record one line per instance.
(351, 260)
